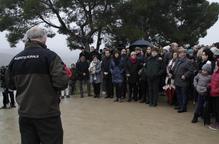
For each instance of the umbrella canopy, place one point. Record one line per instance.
(141, 43)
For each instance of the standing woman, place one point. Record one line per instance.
(95, 75)
(117, 69)
(132, 69)
(169, 87)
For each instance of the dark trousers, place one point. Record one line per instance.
(108, 87)
(215, 104)
(6, 94)
(153, 90)
(124, 88)
(118, 87)
(72, 84)
(41, 131)
(82, 84)
(200, 105)
(182, 97)
(96, 87)
(143, 90)
(133, 90)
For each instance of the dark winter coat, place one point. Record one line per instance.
(106, 67)
(154, 67)
(117, 71)
(124, 60)
(82, 67)
(133, 69)
(182, 67)
(38, 74)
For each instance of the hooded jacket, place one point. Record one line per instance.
(37, 74)
(201, 83)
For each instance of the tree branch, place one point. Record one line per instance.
(50, 24)
(63, 26)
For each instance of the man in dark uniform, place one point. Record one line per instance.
(38, 74)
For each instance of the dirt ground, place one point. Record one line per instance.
(101, 121)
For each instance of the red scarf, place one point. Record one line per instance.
(133, 61)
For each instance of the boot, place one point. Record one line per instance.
(195, 118)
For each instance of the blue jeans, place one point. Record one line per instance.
(182, 98)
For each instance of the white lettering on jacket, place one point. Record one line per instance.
(27, 57)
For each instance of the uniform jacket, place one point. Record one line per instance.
(38, 75)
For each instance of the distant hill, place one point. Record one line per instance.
(5, 59)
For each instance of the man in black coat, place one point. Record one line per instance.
(182, 72)
(124, 60)
(83, 75)
(107, 77)
(38, 74)
(154, 70)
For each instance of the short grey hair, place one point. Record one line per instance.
(35, 33)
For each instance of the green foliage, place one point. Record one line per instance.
(173, 20)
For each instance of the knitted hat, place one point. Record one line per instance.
(207, 67)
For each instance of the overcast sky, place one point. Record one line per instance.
(58, 43)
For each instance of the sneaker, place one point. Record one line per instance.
(214, 127)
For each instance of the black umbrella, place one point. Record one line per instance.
(141, 43)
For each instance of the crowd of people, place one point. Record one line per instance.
(39, 77)
(180, 73)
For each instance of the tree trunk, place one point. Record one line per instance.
(99, 39)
